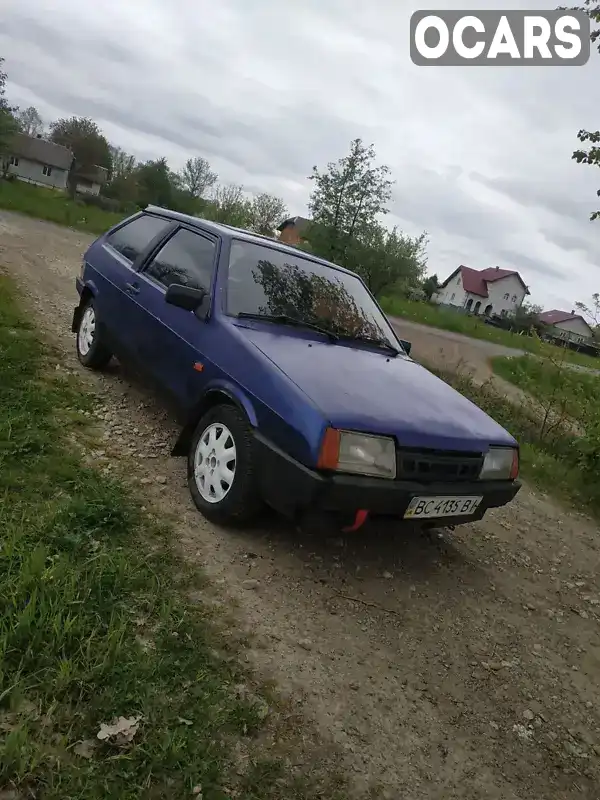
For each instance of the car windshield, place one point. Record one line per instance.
(270, 282)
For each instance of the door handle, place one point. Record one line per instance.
(132, 288)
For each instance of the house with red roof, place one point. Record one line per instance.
(565, 325)
(491, 291)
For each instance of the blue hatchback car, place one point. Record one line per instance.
(293, 388)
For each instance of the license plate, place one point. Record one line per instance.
(433, 507)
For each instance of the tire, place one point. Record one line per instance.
(91, 351)
(222, 467)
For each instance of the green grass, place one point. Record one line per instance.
(553, 459)
(55, 206)
(468, 325)
(546, 381)
(95, 622)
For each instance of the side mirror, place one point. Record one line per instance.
(187, 297)
(406, 345)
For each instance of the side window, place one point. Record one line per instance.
(187, 258)
(133, 238)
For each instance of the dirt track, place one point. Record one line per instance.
(448, 350)
(457, 665)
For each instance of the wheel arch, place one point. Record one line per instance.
(87, 292)
(214, 396)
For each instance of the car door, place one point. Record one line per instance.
(115, 260)
(169, 340)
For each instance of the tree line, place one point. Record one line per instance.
(133, 184)
(348, 200)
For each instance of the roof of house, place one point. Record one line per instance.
(34, 149)
(555, 317)
(93, 174)
(299, 222)
(475, 281)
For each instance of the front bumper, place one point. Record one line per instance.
(292, 488)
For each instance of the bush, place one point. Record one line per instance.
(561, 420)
(99, 201)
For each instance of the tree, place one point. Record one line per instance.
(345, 203)
(526, 317)
(197, 177)
(265, 213)
(228, 205)
(8, 123)
(122, 184)
(123, 188)
(346, 199)
(387, 260)
(30, 121)
(430, 286)
(591, 312)
(122, 164)
(589, 156)
(87, 143)
(592, 154)
(156, 184)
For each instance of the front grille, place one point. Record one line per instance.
(431, 466)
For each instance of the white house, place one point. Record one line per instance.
(567, 326)
(486, 291)
(36, 160)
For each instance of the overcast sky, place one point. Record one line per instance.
(264, 89)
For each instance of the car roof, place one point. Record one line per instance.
(231, 232)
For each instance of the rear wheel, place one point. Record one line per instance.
(221, 467)
(91, 351)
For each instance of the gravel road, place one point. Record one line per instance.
(448, 350)
(460, 664)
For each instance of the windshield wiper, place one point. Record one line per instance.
(383, 343)
(284, 319)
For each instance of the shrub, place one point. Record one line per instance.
(99, 201)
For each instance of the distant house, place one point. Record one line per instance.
(569, 327)
(90, 181)
(39, 161)
(291, 230)
(487, 291)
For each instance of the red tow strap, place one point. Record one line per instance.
(359, 521)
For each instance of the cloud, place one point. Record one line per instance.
(481, 156)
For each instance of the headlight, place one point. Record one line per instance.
(360, 453)
(500, 463)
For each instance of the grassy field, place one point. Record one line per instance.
(444, 318)
(554, 457)
(95, 623)
(54, 206)
(551, 381)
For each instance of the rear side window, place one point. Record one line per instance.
(133, 238)
(187, 258)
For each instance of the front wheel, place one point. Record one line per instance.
(221, 467)
(91, 351)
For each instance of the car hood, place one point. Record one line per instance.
(361, 389)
